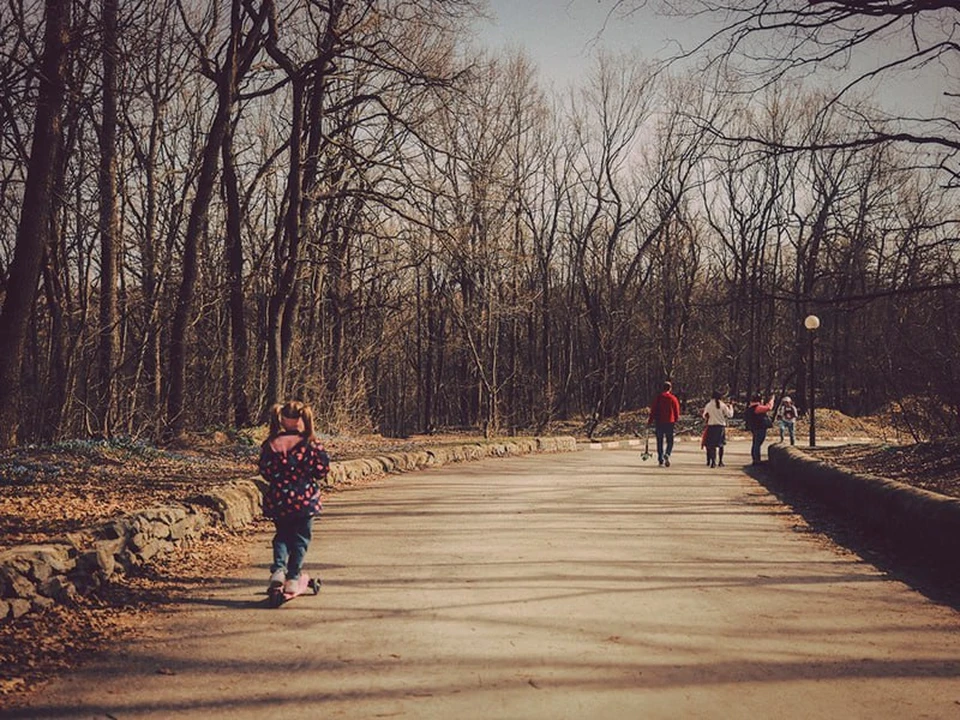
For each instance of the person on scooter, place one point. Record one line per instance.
(293, 462)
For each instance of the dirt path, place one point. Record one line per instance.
(565, 586)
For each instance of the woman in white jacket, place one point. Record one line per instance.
(716, 413)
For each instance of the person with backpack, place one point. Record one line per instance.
(664, 413)
(787, 416)
(758, 422)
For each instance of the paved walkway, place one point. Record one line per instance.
(585, 585)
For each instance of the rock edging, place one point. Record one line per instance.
(36, 577)
(919, 518)
(349, 471)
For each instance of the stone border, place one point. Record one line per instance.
(36, 577)
(349, 471)
(921, 519)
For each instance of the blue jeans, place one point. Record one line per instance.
(664, 432)
(290, 544)
(758, 437)
(790, 427)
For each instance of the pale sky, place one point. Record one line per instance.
(562, 37)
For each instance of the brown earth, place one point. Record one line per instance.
(933, 466)
(46, 492)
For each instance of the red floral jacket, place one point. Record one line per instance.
(293, 478)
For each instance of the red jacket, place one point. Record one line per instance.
(665, 409)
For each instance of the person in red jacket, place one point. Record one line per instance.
(757, 423)
(664, 413)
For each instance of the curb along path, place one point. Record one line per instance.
(915, 517)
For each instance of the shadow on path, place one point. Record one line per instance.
(910, 566)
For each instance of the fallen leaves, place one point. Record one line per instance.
(933, 466)
(39, 646)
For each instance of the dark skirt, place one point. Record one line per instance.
(716, 436)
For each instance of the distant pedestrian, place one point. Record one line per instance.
(787, 416)
(758, 423)
(716, 413)
(293, 462)
(664, 413)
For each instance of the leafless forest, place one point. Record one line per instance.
(209, 206)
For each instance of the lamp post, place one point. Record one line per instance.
(811, 323)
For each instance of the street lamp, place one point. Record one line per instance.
(811, 323)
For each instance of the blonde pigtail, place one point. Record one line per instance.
(275, 426)
(306, 413)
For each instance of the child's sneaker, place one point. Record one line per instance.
(291, 586)
(276, 579)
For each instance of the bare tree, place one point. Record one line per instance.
(481, 129)
(856, 47)
(630, 196)
(543, 203)
(608, 118)
(36, 215)
(109, 225)
(239, 53)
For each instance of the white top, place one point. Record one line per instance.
(717, 415)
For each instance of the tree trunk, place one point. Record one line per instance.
(109, 230)
(36, 215)
(197, 223)
(286, 263)
(307, 114)
(196, 226)
(233, 249)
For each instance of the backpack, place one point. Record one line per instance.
(752, 420)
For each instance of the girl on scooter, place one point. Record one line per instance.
(293, 462)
